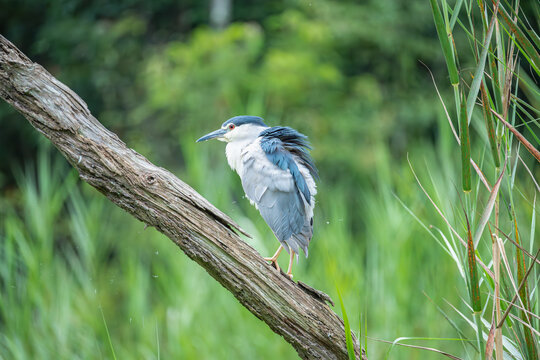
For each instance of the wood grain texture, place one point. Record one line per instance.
(158, 198)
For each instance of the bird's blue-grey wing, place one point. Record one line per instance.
(276, 194)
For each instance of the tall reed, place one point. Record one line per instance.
(504, 49)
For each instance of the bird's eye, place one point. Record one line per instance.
(231, 126)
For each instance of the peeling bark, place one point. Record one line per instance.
(158, 198)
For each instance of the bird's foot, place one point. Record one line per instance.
(273, 262)
(274, 258)
(290, 275)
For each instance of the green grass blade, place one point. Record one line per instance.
(445, 43)
(520, 138)
(425, 348)
(157, 341)
(474, 290)
(489, 207)
(526, 47)
(455, 13)
(108, 334)
(524, 295)
(488, 118)
(465, 148)
(473, 272)
(348, 337)
(479, 72)
(531, 131)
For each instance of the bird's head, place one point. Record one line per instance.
(237, 128)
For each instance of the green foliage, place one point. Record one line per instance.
(445, 42)
(332, 68)
(81, 279)
(504, 336)
(465, 146)
(348, 337)
(66, 248)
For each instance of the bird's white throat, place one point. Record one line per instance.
(238, 139)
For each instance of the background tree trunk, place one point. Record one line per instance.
(220, 13)
(158, 198)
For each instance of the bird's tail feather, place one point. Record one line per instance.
(300, 240)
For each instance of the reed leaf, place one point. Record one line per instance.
(518, 136)
(474, 286)
(489, 207)
(111, 347)
(473, 272)
(348, 337)
(526, 47)
(479, 72)
(437, 351)
(524, 295)
(445, 43)
(455, 13)
(522, 283)
(465, 147)
(488, 118)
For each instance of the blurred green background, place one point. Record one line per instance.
(81, 279)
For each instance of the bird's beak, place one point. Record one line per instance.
(214, 134)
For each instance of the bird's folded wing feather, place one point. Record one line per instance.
(274, 192)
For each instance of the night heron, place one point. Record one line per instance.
(277, 175)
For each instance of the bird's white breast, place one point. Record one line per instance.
(233, 151)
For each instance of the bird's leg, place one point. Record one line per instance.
(289, 271)
(274, 258)
(276, 255)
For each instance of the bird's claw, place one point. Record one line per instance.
(273, 259)
(274, 263)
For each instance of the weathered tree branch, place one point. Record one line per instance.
(158, 198)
